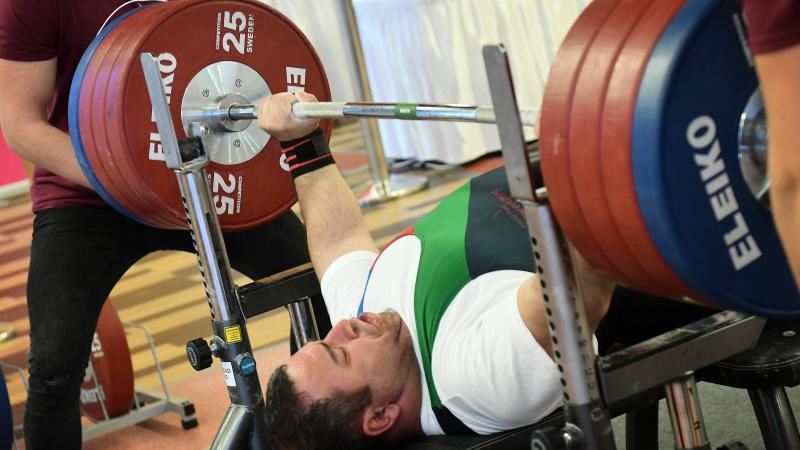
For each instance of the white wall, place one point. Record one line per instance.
(322, 21)
(430, 51)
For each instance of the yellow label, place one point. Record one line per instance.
(233, 334)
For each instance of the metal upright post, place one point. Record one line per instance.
(244, 424)
(588, 420)
(684, 411)
(304, 324)
(383, 186)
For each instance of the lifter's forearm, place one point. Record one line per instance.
(333, 221)
(334, 224)
(596, 288)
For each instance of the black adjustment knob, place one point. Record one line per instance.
(199, 354)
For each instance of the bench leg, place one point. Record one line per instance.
(684, 411)
(775, 418)
(304, 324)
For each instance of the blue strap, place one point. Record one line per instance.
(364, 294)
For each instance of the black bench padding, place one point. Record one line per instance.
(515, 439)
(773, 362)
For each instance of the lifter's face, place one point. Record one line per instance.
(373, 350)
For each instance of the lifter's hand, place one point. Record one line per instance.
(276, 118)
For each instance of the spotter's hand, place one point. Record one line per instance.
(276, 118)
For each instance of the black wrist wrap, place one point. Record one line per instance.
(308, 153)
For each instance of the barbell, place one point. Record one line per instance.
(222, 117)
(652, 134)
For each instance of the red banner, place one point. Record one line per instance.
(11, 168)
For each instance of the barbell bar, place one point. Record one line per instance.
(218, 117)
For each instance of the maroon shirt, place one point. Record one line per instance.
(772, 24)
(39, 30)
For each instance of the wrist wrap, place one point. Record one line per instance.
(308, 153)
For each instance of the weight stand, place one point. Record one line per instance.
(244, 423)
(146, 405)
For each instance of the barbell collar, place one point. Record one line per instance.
(402, 111)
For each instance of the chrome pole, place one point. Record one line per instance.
(383, 186)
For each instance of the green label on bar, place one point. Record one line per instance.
(405, 111)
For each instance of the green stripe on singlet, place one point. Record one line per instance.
(443, 271)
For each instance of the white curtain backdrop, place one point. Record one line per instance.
(430, 51)
(324, 23)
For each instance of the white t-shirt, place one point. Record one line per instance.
(488, 369)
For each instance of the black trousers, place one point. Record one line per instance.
(78, 254)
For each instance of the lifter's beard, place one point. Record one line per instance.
(409, 354)
(407, 362)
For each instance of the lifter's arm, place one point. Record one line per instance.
(779, 73)
(27, 90)
(597, 290)
(333, 221)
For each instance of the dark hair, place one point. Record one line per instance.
(295, 421)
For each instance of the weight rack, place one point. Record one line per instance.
(147, 403)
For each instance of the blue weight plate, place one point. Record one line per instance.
(702, 217)
(6, 419)
(74, 124)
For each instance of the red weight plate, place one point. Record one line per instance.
(191, 35)
(113, 369)
(104, 116)
(119, 171)
(555, 126)
(113, 170)
(101, 165)
(615, 143)
(584, 138)
(130, 33)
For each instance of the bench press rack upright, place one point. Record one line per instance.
(595, 387)
(243, 425)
